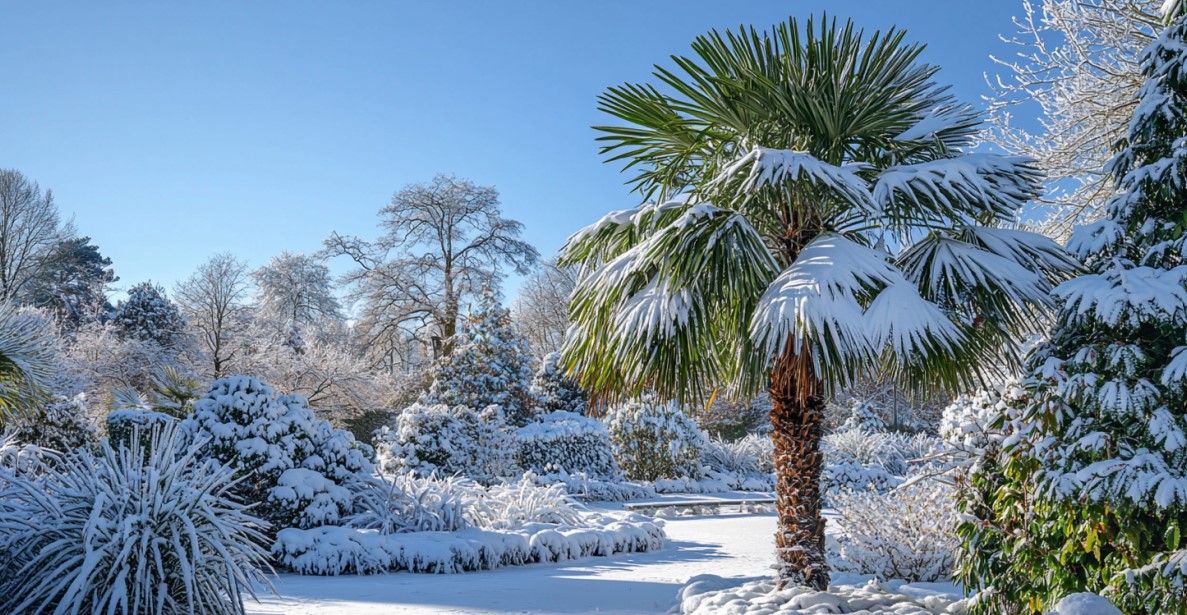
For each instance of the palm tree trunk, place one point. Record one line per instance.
(797, 421)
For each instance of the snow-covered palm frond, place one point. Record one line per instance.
(765, 168)
(951, 124)
(618, 231)
(912, 327)
(26, 360)
(689, 285)
(815, 305)
(128, 531)
(980, 187)
(1033, 251)
(955, 273)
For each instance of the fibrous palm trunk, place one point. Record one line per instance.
(797, 422)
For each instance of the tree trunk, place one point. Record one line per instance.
(797, 421)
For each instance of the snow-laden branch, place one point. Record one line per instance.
(1136, 295)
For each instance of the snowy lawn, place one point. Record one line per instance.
(736, 546)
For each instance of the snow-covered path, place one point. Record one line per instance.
(727, 546)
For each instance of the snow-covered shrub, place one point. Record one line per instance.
(148, 315)
(730, 418)
(127, 531)
(22, 458)
(61, 425)
(753, 454)
(554, 391)
(512, 506)
(594, 489)
(655, 440)
(839, 478)
(565, 442)
(411, 503)
(489, 365)
(122, 425)
(896, 452)
(241, 422)
(445, 441)
(907, 533)
(967, 422)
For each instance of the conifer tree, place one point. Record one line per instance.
(1095, 490)
(149, 315)
(489, 365)
(554, 390)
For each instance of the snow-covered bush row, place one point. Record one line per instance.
(654, 440)
(303, 470)
(339, 550)
(61, 425)
(714, 595)
(124, 530)
(443, 440)
(567, 442)
(907, 533)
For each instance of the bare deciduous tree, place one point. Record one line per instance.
(442, 242)
(1078, 63)
(541, 311)
(295, 289)
(30, 230)
(212, 301)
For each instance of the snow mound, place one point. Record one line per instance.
(339, 550)
(1085, 604)
(713, 595)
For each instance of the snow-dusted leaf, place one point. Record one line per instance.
(912, 326)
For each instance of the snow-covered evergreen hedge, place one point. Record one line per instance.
(124, 424)
(340, 550)
(565, 442)
(438, 439)
(303, 470)
(655, 440)
(124, 530)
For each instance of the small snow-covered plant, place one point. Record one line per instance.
(861, 447)
(753, 454)
(62, 425)
(277, 445)
(442, 440)
(123, 530)
(411, 503)
(22, 458)
(513, 505)
(565, 442)
(863, 416)
(907, 533)
(967, 422)
(142, 423)
(554, 391)
(655, 440)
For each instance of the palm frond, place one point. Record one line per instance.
(26, 361)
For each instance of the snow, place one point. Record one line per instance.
(629, 583)
(1086, 604)
(855, 594)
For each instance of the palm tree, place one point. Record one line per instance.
(816, 218)
(26, 362)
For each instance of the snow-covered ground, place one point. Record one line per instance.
(727, 546)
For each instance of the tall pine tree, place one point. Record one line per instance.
(1093, 487)
(489, 364)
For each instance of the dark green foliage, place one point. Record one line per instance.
(149, 315)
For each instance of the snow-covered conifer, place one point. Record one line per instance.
(554, 390)
(62, 425)
(148, 315)
(443, 440)
(1107, 442)
(489, 365)
(655, 440)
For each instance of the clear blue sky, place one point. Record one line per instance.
(172, 131)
